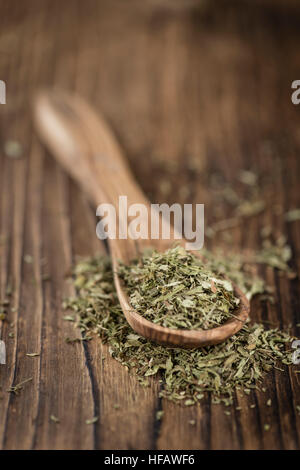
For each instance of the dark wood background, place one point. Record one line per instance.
(208, 81)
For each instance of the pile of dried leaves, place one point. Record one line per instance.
(174, 289)
(239, 363)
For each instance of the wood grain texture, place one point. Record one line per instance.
(207, 82)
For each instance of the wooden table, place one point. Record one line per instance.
(207, 83)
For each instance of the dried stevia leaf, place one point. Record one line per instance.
(275, 255)
(292, 215)
(175, 289)
(185, 375)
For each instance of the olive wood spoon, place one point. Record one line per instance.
(83, 143)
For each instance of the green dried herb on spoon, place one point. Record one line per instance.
(175, 289)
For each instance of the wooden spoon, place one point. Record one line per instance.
(84, 144)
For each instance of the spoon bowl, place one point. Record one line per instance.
(82, 142)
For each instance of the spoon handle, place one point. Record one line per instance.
(83, 143)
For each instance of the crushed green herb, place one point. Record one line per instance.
(174, 289)
(240, 362)
(17, 388)
(249, 208)
(248, 177)
(292, 215)
(92, 420)
(159, 415)
(234, 267)
(54, 419)
(28, 259)
(277, 255)
(13, 149)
